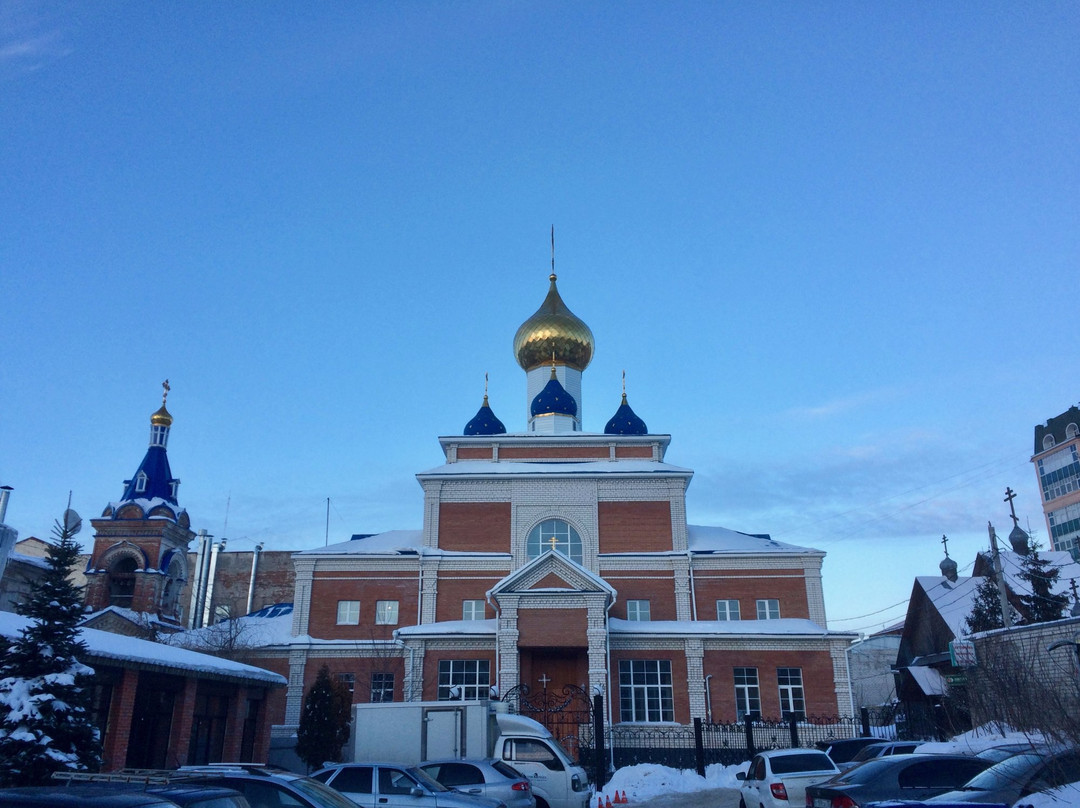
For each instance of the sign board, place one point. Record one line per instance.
(956, 679)
(962, 654)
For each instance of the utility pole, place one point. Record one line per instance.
(999, 579)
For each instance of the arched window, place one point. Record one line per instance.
(1048, 442)
(557, 535)
(1071, 431)
(122, 582)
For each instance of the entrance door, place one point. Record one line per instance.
(554, 691)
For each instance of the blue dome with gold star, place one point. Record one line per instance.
(553, 400)
(485, 422)
(625, 422)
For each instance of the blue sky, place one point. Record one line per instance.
(833, 245)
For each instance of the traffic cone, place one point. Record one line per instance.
(618, 799)
(608, 805)
(624, 800)
(599, 801)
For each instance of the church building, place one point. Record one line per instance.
(552, 556)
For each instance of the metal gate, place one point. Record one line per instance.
(566, 712)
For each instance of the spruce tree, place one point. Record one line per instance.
(45, 694)
(324, 722)
(1042, 605)
(985, 608)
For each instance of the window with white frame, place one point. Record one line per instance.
(472, 610)
(792, 702)
(727, 610)
(349, 680)
(469, 679)
(768, 609)
(140, 482)
(637, 610)
(348, 612)
(747, 694)
(382, 687)
(645, 690)
(557, 535)
(386, 612)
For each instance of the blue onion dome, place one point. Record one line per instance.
(625, 422)
(554, 329)
(485, 422)
(553, 399)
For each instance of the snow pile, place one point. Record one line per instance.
(1059, 797)
(647, 780)
(980, 738)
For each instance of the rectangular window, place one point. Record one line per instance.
(637, 610)
(727, 610)
(472, 610)
(382, 687)
(386, 612)
(469, 679)
(768, 609)
(792, 704)
(348, 612)
(747, 694)
(645, 691)
(349, 680)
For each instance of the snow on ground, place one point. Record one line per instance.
(1058, 798)
(647, 780)
(980, 738)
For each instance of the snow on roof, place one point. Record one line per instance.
(390, 542)
(1011, 564)
(153, 655)
(930, 680)
(784, 625)
(270, 625)
(33, 561)
(141, 618)
(598, 466)
(713, 539)
(952, 599)
(449, 627)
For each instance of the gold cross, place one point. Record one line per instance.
(554, 542)
(165, 395)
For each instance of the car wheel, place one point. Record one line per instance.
(741, 803)
(540, 803)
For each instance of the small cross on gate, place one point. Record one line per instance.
(544, 680)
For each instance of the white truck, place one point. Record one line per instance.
(411, 732)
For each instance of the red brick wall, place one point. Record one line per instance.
(121, 709)
(747, 586)
(678, 679)
(634, 451)
(553, 452)
(563, 628)
(474, 453)
(634, 526)
(819, 690)
(656, 587)
(431, 668)
(452, 591)
(475, 526)
(368, 587)
(361, 668)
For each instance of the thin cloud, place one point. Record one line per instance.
(843, 405)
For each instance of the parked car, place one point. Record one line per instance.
(881, 749)
(1017, 777)
(844, 749)
(996, 754)
(491, 777)
(895, 777)
(778, 778)
(388, 785)
(120, 794)
(266, 787)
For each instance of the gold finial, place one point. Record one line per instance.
(553, 276)
(162, 416)
(485, 388)
(553, 363)
(165, 394)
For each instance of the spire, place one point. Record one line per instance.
(625, 421)
(485, 422)
(153, 479)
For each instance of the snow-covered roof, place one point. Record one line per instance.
(1012, 566)
(270, 625)
(140, 618)
(930, 680)
(155, 656)
(33, 561)
(713, 539)
(486, 468)
(410, 542)
(952, 599)
(788, 626)
(449, 627)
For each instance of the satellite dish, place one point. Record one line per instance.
(72, 521)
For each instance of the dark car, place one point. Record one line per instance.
(117, 794)
(895, 777)
(844, 749)
(1019, 776)
(265, 787)
(882, 749)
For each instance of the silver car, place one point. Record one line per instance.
(389, 785)
(489, 778)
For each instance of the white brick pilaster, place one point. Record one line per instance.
(695, 677)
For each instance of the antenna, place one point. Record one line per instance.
(326, 539)
(228, 502)
(553, 252)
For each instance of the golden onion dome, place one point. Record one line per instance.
(161, 417)
(554, 330)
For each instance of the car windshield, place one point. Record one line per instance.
(428, 780)
(805, 762)
(1009, 771)
(864, 773)
(322, 795)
